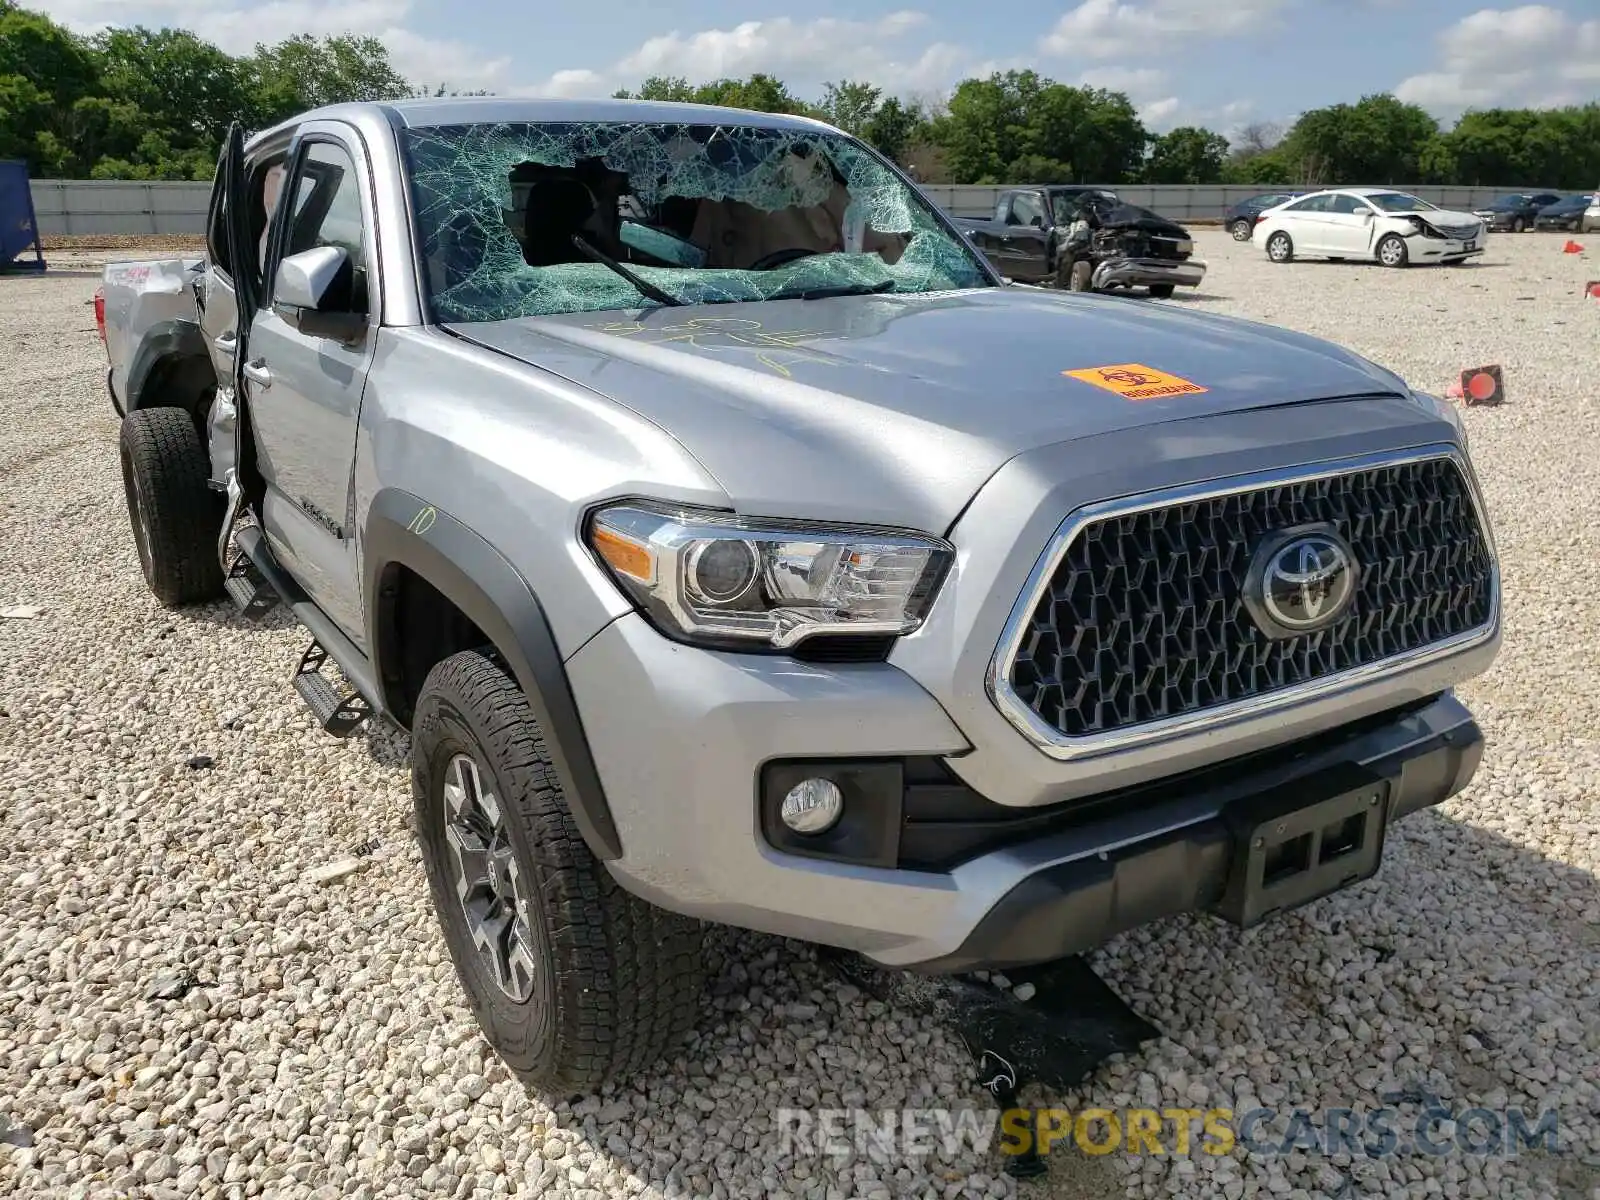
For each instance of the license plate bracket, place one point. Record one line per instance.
(1290, 849)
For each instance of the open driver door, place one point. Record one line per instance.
(243, 479)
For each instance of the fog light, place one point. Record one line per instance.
(812, 806)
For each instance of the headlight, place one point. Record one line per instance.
(713, 578)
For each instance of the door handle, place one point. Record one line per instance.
(257, 373)
(227, 343)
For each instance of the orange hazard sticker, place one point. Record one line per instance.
(1133, 381)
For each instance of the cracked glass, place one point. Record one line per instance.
(698, 214)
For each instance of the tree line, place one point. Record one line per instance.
(136, 103)
(1019, 126)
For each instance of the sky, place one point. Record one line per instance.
(1223, 64)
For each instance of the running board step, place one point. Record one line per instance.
(252, 595)
(337, 716)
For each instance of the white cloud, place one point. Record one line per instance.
(238, 28)
(1533, 56)
(1111, 28)
(803, 53)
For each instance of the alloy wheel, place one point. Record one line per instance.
(488, 879)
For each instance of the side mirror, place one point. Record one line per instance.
(310, 279)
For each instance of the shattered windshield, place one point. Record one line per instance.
(537, 219)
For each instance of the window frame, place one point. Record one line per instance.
(347, 142)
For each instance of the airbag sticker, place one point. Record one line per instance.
(1132, 381)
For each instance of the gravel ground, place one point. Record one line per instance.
(326, 1051)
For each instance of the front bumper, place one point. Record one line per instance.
(1428, 249)
(681, 737)
(1143, 272)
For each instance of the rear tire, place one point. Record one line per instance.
(1280, 247)
(175, 516)
(573, 980)
(1241, 230)
(1392, 251)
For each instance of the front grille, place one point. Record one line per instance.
(1144, 618)
(1460, 233)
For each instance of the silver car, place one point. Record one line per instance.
(737, 547)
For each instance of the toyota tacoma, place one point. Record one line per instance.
(737, 547)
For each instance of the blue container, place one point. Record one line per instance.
(18, 230)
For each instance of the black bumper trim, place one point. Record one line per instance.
(1074, 906)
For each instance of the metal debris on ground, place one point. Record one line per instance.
(21, 612)
(173, 986)
(334, 871)
(1073, 1024)
(14, 1133)
(199, 762)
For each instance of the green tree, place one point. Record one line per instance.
(185, 87)
(1019, 125)
(1522, 148)
(850, 105)
(759, 93)
(894, 127)
(661, 87)
(1186, 155)
(1376, 140)
(44, 71)
(301, 73)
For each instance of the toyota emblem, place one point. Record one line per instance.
(1301, 580)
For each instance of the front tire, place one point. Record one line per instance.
(175, 515)
(1280, 247)
(1518, 225)
(1241, 230)
(1079, 279)
(1392, 251)
(1161, 291)
(573, 980)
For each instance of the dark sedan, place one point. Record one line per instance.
(1566, 213)
(1240, 220)
(1517, 211)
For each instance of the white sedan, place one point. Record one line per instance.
(1393, 228)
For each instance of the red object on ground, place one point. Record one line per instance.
(1453, 392)
(1592, 288)
(1572, 247)
(100, 311)
(1483, 385)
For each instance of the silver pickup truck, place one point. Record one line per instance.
(868, 600)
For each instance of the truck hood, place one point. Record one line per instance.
(894, 410)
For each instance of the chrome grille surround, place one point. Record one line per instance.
(1056, 744)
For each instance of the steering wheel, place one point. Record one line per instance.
(781, 258)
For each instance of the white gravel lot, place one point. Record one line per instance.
(328, 1052)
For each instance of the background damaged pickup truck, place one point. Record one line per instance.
(1084, 239)
(736, 547)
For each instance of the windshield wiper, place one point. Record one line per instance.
(646, 289)
(837, 289)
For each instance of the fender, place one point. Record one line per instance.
(164, 341)
(404, 530)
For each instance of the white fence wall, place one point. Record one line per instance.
(95, 206)
(76, 206)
